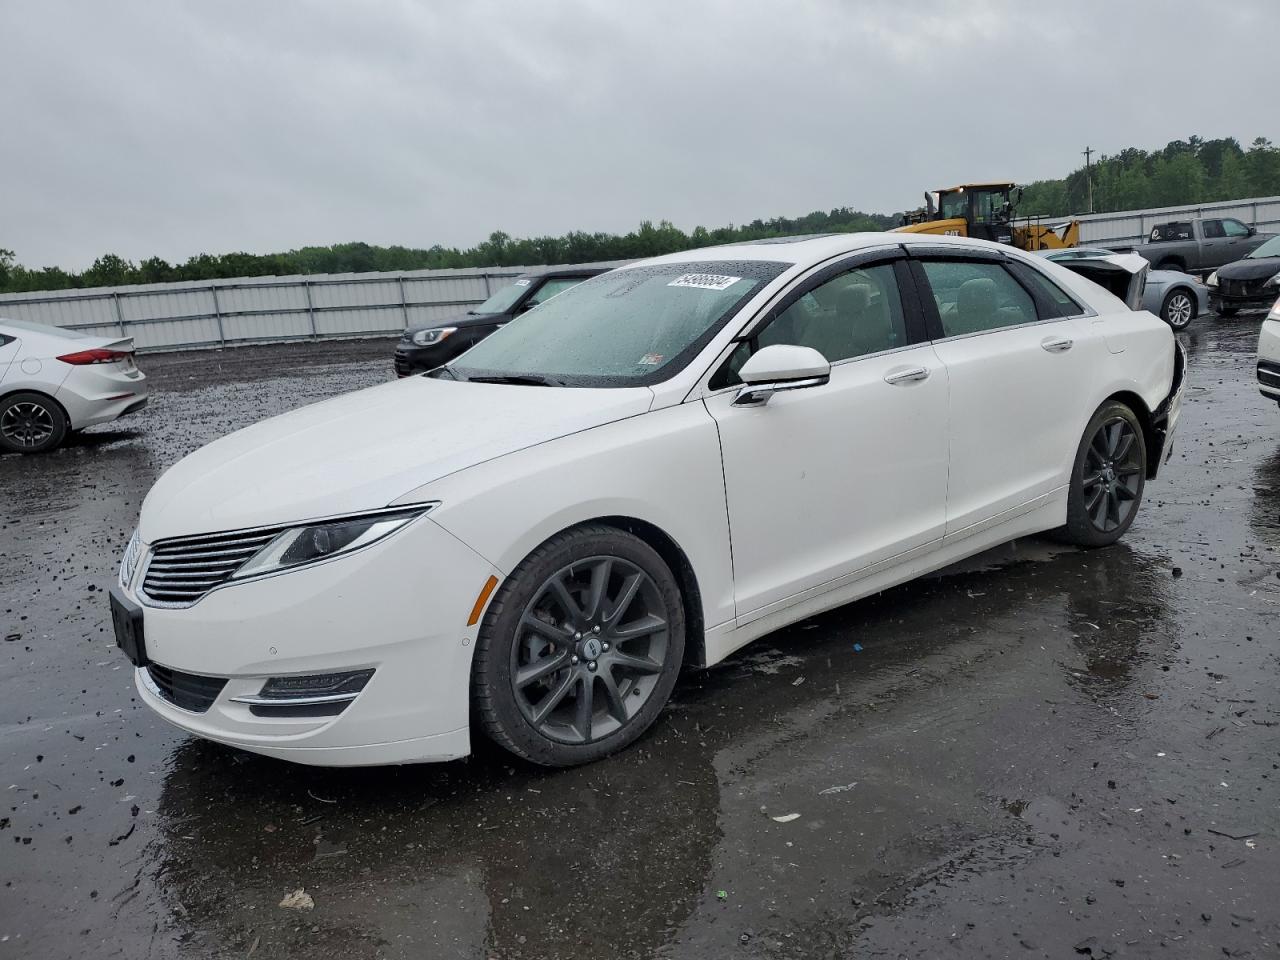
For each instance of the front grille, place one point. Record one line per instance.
(189, 691)
(184, 569)
(1241, 288)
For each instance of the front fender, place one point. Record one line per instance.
(661, 467)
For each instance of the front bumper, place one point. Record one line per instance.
(1242, 297)
(411, 359)
(400, 608)
(1269, 359)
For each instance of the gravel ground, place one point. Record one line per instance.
(1041, 753)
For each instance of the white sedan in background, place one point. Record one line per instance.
(54, 381)
(651, 469)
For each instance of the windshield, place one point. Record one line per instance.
(630, 327)
(1269, 249)
(504, 299)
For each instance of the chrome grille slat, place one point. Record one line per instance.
(199, 543)
(182, 570)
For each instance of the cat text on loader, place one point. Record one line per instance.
(986, 211)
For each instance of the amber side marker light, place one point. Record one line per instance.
(482, 600)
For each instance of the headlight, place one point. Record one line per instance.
(424, 338)
(129, 562)
(1213, 279)
(1273, 282)
(299, 546)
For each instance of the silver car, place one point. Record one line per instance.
(1176, 298)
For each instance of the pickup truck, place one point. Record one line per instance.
(1198, 244)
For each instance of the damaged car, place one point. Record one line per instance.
(552, 545)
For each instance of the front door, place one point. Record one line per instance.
(824, 481)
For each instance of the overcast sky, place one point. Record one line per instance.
(174, 128)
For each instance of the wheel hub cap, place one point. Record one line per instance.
(590, 648)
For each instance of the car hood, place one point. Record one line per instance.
(362, 450)
(1250, 269)
(460, 320)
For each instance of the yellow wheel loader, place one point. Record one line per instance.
(986, 211)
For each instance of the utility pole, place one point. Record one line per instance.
(1088, 175)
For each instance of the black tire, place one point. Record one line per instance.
(31, 423)
(581, 672)
(1177, 265)
(1102, 502)
(1228, 311)
(1179, 308)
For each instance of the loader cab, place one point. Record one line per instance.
(986, 209)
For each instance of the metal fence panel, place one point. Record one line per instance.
(169, 316)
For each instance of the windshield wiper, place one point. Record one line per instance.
(526, 379)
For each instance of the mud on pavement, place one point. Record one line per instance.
(1042, 753)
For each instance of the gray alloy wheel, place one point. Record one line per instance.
(1178, 310)
(580, 647)
(31, 423)
(591, 641)
(1113, 469)
(1107, 478)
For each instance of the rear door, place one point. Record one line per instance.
(1215, 247)
(1016, 363)
(8, 350)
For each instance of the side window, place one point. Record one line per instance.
(1178, 230)
(1212, 229)
(977, 296)
(1051, 300)
(551, 288)
(850, 315)
(1234, 228)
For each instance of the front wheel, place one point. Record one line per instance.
(31, 423)
(1178, 309)
(1107, 478)
(580, 649)
(1228, 311)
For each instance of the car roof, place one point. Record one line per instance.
(814, 249)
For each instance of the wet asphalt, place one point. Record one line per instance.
(1041, 753)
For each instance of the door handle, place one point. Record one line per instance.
(1057, 344)
(907, 376)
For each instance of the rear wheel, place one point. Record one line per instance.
(31, 423)
(1178, 309)
(1107, 479)
(1228, 311)
(1172, 265)
(580, 649)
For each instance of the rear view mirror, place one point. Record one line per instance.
(780, 367)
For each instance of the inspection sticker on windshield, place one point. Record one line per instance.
(521, 283)
(704, 281)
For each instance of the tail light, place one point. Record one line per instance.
(96, 355)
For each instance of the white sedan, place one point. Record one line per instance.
(54, 381)
(650, 470)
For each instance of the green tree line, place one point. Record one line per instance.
(1183, 172)
(499, 250)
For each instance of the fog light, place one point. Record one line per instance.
(315, 685)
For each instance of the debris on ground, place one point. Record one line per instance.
(786, 818)
(298, 900)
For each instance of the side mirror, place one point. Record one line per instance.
(778, 368)
(1253, 231)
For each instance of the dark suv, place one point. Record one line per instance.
(430, 345)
